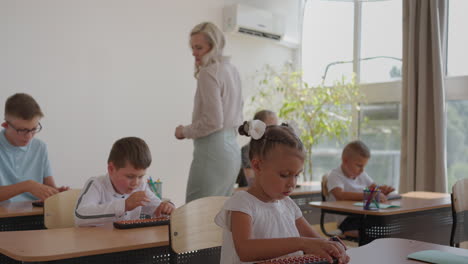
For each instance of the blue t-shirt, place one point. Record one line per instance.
(18, 164)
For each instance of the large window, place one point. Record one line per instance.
(365, 37)
(456, 85)
(341, 38)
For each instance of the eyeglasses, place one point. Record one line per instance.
(24, 132)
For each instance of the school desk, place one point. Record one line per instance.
(302, 195)
(395, 251)
(102, 244)
(423, 216)
(20, 216)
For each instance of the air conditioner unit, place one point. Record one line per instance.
(253, 21)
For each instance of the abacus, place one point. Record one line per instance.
(305, 259)
(125, 224)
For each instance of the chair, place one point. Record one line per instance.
(194, 236)
(59, 209)
(325, 194)
(459, 212)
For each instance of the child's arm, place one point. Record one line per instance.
(51, 182)
(305, 229)
(342, 195)
(37, 189)
(260, 249)
(90, 211)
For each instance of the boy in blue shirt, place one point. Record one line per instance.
(25, 172)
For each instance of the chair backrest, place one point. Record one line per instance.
(459, 212)
(460, 195)
(192, 225)
(59, 209)
(324, 187)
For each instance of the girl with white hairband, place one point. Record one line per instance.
(216, 114)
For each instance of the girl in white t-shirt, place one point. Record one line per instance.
(263, 222)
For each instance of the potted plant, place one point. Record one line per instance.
(316, 112)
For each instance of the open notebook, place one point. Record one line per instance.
(438, 257)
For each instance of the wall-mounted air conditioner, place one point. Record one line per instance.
(253, 21)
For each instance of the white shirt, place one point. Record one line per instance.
(218, 100)
(99, 203)
(269, 220)
(336, 178)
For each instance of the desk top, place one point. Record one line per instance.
(395, 250)
(313, 187)
(13, 209)
(63, 243)
(410, 202)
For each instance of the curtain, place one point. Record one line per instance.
(423, 153)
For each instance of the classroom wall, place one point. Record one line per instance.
(106, 69)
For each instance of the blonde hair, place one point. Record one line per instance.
(215, 37)
(356, 148)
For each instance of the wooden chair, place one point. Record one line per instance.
(325, 194)
(194, 236)
(460, 213)
(59, 209)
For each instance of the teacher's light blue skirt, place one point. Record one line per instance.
(215, 165)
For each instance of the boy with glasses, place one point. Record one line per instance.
(25, 172)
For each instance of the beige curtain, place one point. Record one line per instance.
(423, 155)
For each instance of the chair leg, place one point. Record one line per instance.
(322, 225)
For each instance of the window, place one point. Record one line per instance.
(457, 40)
(381, 42)
(456, 85)
(342, 37)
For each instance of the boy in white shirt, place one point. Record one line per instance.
(121, 194)
(348, 181)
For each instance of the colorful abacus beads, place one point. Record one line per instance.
(305, 259)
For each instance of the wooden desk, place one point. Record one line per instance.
(88, 245)
(20, 216)
(422, 216)
(305, 193)
(395, 251)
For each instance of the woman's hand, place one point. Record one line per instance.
(179, 132)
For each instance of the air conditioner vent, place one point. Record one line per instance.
(259, 34)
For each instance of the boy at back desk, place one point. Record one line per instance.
(121, 194)
(348, 181)
(25, 172)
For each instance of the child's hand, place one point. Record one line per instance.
(164, 208)
(136, 199)
(326, 249)
(386, 189)
(382, 198)
(41, 191)
(63, 188)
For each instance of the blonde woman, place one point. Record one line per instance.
(216, 115)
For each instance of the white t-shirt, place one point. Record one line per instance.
(99, 203)
(269, 220)
(336, 178)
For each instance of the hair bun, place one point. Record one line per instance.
(254, 129)
(243, 129)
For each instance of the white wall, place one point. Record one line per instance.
(105, 69)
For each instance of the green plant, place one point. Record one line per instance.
(316, 111)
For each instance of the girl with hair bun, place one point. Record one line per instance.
(264, 222)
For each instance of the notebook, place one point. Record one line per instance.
(381, 206)
(438, 257)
